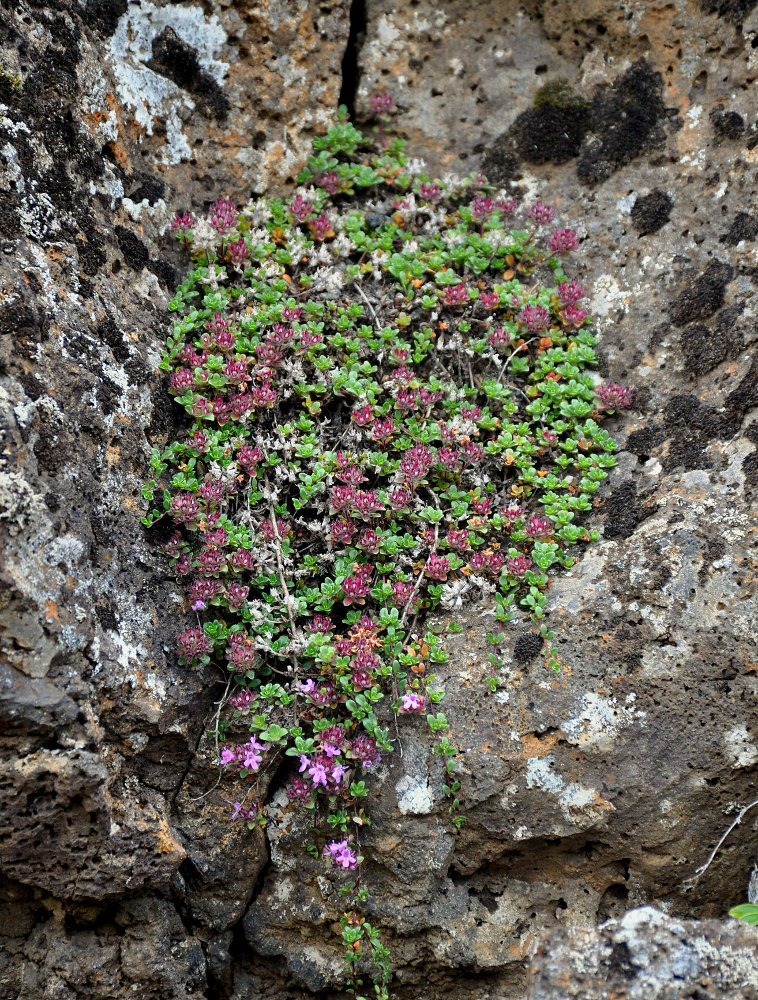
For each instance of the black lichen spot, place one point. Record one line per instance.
(704, 296)
(527, 646)
(107, 617)
(743, 227)
(734, 11)
(727, 124)
(623, 123)
(109, 333)
(644, 441)
(652, 212)
(108, 395)
(103, 15)
(705, 349)
(625, 510)
(745, 396)
(750, 469)
(551, 131)
(691, 427)
(164, 272)
(178, 61)
(150, 188)
(500, 164)
(134, 250)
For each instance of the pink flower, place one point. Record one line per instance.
(574, 316)
(299, 791)
(381, 104)
(541, 213)
(320, 228)
(562, 240)
(490, 300)
(329, 181)
(300, 209)
(569, 292)
(193, 642)
(238, 251)
(519, 566)
(456, 295)
(535, 318)
(182, 222)
(223, 216)
(612, 396)
(430, 192)
(184, 508)
(362, 415)
(437, 568)
(539, 527)
(498, 338)
(227, 756)
(412, 702)
(482, 207)
(320, 623)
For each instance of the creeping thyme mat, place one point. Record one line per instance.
(392, 411)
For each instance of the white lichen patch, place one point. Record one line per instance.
(740, 749)
(414, 796)
(572, 796)
(151, 95)
(599, 720)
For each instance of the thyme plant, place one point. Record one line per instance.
(392, 410)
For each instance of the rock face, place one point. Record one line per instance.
(588, 792)
(648, 956)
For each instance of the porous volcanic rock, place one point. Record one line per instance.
(588, 792)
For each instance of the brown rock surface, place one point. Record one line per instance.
(587, 793)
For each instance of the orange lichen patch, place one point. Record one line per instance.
(532, 745)
(112, 454)
(51, 611)
(165, 841)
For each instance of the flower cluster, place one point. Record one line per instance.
(392, 408)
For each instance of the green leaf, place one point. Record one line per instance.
(745, 911)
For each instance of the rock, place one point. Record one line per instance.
(587, 792)
(648, 955)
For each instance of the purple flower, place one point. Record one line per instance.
(252, 760)
(199, 606)
(318, 775)
(338, 773)
(341, 855)
(227, 756)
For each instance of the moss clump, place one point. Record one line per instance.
(13, 80)
(558, 94)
